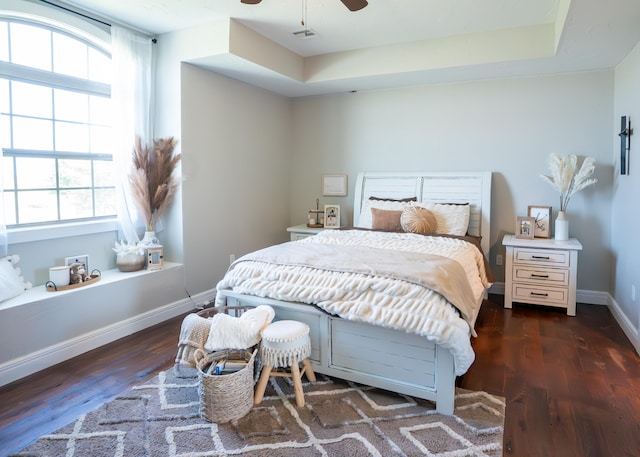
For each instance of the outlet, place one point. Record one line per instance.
(232, 258)
(499, 259)
(633, 293)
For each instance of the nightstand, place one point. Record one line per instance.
(541, 272)
(299, 232)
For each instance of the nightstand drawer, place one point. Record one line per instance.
(557, 277)
(541, 257)
(543, 295)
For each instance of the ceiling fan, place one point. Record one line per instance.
(353, 5)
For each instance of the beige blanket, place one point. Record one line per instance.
(440, 274)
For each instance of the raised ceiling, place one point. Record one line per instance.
(393, 43)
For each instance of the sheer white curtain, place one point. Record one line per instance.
(131, 96)
(3, 227)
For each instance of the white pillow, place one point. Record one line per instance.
(228, 332)
(366, 219)
(11, 282)
(452, 219)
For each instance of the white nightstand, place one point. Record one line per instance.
(541, 272)
(299, 232)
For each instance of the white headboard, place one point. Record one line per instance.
(436, 187)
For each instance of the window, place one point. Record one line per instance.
(55, 127)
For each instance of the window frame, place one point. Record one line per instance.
(63, 228)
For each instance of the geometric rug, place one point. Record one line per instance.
(340, 418)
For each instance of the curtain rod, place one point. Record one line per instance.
(91, 18)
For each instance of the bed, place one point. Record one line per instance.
(383, 321)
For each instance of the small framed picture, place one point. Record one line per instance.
(334, 185)
(542, 216)
(155, 258)
(331, 216)
(525, 227)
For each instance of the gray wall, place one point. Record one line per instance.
(508, 127)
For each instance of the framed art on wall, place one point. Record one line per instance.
(334, 185)
(524, 227)
(542, 216)
(331, 216)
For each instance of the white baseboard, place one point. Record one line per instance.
(49, 356)
(627, 326)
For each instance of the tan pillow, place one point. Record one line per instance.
(415, 219)
(386, 220)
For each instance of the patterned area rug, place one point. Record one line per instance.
(161, 418)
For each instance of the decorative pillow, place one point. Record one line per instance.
(228, 332)
(11, 282)
(386, 220)
(366, 217)
(452, 218)
(416, 219)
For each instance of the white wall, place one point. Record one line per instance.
(508, 127)
(625, 215)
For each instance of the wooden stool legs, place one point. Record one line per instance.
(295, 375)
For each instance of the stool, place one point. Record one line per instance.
(285, 344)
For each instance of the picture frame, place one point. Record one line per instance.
(155, 258)
(84, 261)
(542, 216)
(334, 185)
(331, 216)
(525, 227)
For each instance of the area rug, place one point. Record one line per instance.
(161, 418)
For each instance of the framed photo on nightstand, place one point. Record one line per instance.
(542, 216)
(331, 216)
(524, 227)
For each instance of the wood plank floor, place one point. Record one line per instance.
(572, 384)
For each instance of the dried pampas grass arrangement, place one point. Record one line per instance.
(567, 178)
(152, 181)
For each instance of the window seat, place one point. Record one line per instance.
(40, 328)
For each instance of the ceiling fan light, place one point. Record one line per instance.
(355, 5)
(250, 2)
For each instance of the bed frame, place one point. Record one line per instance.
(376, 356)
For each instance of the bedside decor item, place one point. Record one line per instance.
(334, 185)
(567, 182)
(153, 183)
(542, 216)
(525, 227)
(315, 218)
(331, 216)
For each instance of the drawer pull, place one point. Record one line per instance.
(540, 257)
(537, 294)
(533, 275)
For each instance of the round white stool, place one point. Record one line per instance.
(285, 344)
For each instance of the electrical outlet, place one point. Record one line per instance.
(499, 259)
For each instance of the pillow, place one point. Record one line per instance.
(386, 220)
(452, 218)
(366, 217)
(416, 219)
(228, 332)
(11, 282)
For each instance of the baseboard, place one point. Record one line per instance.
(44, 358)
(625, 324)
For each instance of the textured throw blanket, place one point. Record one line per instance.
(396, 280)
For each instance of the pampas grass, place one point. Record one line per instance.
(564, 177)
(152, 181)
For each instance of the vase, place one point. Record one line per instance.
(130, 262)
(149, 239)
(562, 227)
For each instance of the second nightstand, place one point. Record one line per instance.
(541, 272)
(299, 232)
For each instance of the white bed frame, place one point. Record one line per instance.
(376, 356)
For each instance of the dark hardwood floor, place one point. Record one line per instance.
(572, 384)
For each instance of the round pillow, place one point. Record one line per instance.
(415, 219)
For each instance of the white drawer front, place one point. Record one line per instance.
(557, 277)
(541, 257)
(540, 295)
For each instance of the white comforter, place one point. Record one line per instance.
(385, 301)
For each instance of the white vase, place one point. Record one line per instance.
(149, 239)
(562, 227)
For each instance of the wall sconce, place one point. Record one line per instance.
(625, 143)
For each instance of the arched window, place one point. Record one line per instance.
(55, 125)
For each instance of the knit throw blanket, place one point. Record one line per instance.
(193, 335)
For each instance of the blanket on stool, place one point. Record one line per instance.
(193, 335)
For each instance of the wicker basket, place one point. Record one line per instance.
(228, 396)
(235, 311)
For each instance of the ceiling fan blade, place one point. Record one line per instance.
(250, 2)
(355, 5)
